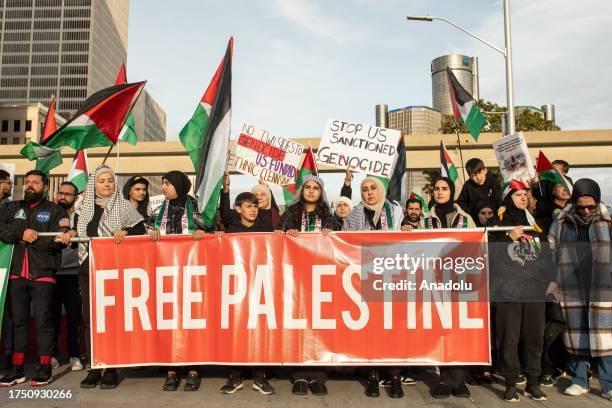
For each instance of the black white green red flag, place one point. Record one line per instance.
(464, 106)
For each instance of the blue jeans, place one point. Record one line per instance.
(578, 367)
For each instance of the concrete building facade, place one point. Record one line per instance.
(21, 123)
(415, 120)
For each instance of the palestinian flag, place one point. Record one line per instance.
(289, 192)
(206, 137)
(78, 171)
(48, 158)
(128, 132)
(396, 190)
(447, 168)
(98, 122)
(464, 106)
(309, 167)
(547, 171)
(6, 253)
(421, 200)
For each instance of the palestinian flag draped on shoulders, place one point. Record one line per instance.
(206, 137)
(97, 124)
(464, 106)
(128, 133)
(48, 159)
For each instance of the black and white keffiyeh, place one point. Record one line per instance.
(118, 212)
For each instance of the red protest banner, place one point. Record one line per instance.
(268, 299)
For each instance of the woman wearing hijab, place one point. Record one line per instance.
(444, 212)
(484, 210)
(375, 213)
(581, 238)
(519, 281)
(309, 213)
(178, 214)
(102, 213)
(342, 208)
(268, 216)
(136, 191)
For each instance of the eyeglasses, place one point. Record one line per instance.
(586, 207)
(62, 194)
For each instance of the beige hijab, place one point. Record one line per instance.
(378, 207)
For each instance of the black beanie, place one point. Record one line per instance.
(132, 181)
(180, 181)
(586, 187)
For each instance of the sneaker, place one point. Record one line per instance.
(535, 393)
(547, 380)
(42, 375)
(54, 363)
(110, 379)
(521, 379)
(395, 388)
(317, 388)
(172, 382)
(14, 376)
(76, 364)
(442, 391)
(262, 386)
(92, 379)
(300, 387)
(461, 391)
(193, 382)
(372, 389)
(607, 395)
(511, 395)
(232, 385)
(408, 380)
(575, 390)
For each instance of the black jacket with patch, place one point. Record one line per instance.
(44, 254)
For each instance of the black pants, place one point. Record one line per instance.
(84, 288)
(7, 326)
(515, 322)
(258, 372)
(23, 292)
(67, 295)
(454, 377)
(318, 374)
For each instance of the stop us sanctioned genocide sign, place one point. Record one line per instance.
(351, 298)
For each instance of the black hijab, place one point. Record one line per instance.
(442, 210)
(181, 184)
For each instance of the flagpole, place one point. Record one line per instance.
(107, 154)
(460, 150)
(117, 166)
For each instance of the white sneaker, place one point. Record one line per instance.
(575, 390)
(54, 362)
(607, 395)
(75, 364)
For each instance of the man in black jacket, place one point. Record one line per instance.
(32, 275)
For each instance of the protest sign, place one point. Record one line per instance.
(362, 148)
(513, 158)
(260, 154)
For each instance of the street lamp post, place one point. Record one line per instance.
(506, 52)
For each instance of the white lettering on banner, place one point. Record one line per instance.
(289, 322)
(102, 301)
(364, 311)
(262, 285)
(259, 297)
(190, 297)
(227, 298)
(167, 297)
(319, 297)
(136, 302)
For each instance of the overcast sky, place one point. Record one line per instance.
(299, 62)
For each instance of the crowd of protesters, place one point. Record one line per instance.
(544, 324)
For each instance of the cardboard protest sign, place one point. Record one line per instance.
(259, 153)
(362, 148)
(513, 158)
